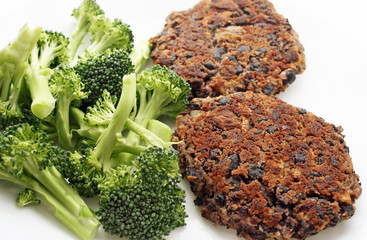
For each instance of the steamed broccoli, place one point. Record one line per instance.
(82, 169)
(140, 55)
(51, 50)
(103, 71)
(160, 92)
(108, 34)
(105, 33)
(13, 63)
(98, 157)
(85, 14)
(28, 196)
(26, 159)
(68, 90)
(139, 198)
(143, 201)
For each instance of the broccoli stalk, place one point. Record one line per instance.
(27, 160)
(51, 50)
(140, 55)
(68, 90)
(84, 15)
(13, 63)
(88, 165)
(106, 142)
(95, 121)
(105, 34)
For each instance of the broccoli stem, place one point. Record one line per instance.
(149, 108)
(152, 109)
(161, 129)
(106, 142)
(140, 55)
(77, 37)
(17, 85)
(13, 58)
(77, 217)
(43, 103)
(85, 130)
(131, 149)
(5, 88)
(148, 136)
(84, 227)
(51, 179)
(63, 121)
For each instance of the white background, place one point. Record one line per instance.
(334, 86)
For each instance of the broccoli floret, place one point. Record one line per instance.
(108, 34)
(98, 157)
(103, 71)
(68, 90)
(28, 196)
(85, 14)
(102, 112)
(139, 198)
(143, 201)
(105, 33)
(81, 169)
(27, 159)
(160, 92)
(13, 63)
(106, 142)
(95, 121)
(51, 50)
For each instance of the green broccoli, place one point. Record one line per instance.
(81, 169)
(13, 63)
(102, 113)
(139, 198)
(85, 14)
(160, 92)
(108, 34)
(98, 157)
(51, 50)
(140, 55)
(143, 201)
(68, 90)
(28, 196)
(27, 160)
(105, 33)
(109, 141)
(103, 71)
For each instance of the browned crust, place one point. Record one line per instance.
(264, 167)
(226, 46)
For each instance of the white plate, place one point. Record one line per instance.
(334, 86)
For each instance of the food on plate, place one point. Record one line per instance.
(226, 46)
(265, 168)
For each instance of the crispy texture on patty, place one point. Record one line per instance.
(265, 168)
(226, 46)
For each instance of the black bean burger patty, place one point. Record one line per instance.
(265, 168)
(226, 46)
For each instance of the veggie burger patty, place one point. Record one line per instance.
(226, 46)
(264, 167)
